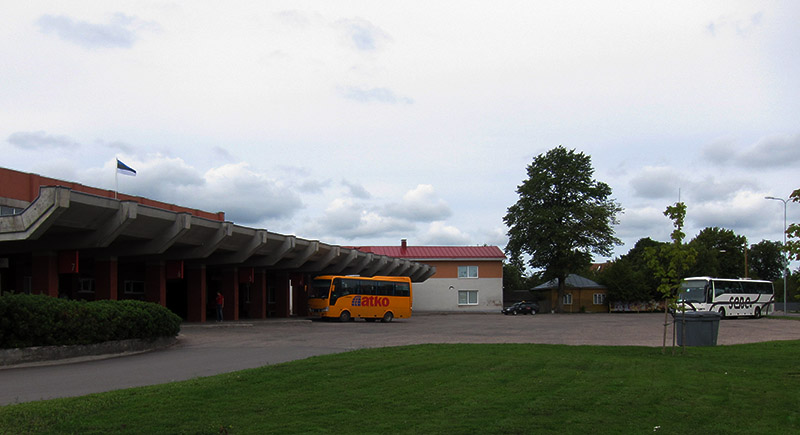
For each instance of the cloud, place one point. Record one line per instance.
(118, 145)
(39, 140)
(380, 95)
(656, 183)
(120, 32)
(439, 233)
(223, 153)
(313, 186)
(349, 219)
(293, 17)
(741, 27)
(356, 190)
(770, 151)
(745, 211)
(421, 204)
(783, 151)
(362, 34)
(246, 196)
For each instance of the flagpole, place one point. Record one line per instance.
(116, 180)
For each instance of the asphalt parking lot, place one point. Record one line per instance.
(211, 348)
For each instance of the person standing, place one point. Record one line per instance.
(220, 305)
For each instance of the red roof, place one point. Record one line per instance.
(437, 252)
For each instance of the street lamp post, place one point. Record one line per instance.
(783, 266)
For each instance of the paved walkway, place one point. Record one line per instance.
(209, 349)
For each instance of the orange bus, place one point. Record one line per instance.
(352, 297)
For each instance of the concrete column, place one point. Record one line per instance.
(299, 283)
(230, 291)
(155, 286)
(106, 278)
(279, 280)
(196, 293)
(44, 273)
(258, 295)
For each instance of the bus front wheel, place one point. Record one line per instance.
(722, 312)
(344, 316)
(387, 317)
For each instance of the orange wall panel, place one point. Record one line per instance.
(449, 268)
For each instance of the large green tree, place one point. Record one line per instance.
(562, 216)
(720, 253)
(629, 278)
(766, 260)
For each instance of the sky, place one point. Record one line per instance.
(364, 122)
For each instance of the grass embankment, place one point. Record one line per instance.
(505, 388)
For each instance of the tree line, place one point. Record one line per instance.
(563, 216)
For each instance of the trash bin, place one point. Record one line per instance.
(702, 327)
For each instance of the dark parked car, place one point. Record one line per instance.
(521, 308)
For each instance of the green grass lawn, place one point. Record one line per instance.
(464, 388)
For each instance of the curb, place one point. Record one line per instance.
(49, 355)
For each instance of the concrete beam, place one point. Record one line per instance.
(405, 267)
(113, 227)
(376, 265)
(360, 265)
(322, 263)
(343, 263)
(259, 239)
(389, 269)
(276, 255)
(301, 258)
(163, 241)
(35, 220)
(210, 245)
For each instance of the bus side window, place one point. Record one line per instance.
(720, 290)
(386, 288)
(367, 288)
(401, 289)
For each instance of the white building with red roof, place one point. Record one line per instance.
(467, 278)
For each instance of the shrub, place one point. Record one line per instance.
(38, 320)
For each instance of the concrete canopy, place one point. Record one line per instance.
(64, 219)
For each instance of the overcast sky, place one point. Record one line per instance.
(361, 123)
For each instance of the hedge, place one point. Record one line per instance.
(38, 320)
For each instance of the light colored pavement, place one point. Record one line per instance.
(209, 349)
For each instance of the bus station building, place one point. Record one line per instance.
(64, 239)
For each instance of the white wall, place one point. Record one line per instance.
(435, 294)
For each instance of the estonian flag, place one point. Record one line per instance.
(124, 169)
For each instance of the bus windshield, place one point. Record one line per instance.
(692, 291)
(320, 288)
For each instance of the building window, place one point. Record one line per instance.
(134, 287)
(568, 299)
(9, 211)
(599, 298)
(467, 271)
(467, 297)
(86, 285)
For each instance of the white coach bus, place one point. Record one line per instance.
(728, 297)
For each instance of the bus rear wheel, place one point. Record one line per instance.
(387, 317)
(344, 316)
(757, 314)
